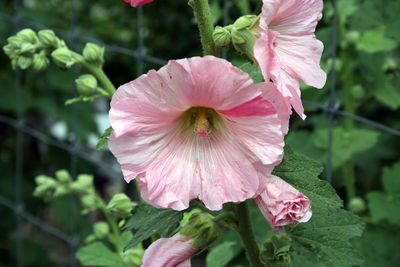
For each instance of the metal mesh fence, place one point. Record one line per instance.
(76, 151)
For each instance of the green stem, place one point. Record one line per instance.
(350, 107)
(102, 77)
(116, 237)
(202, 13)
(246, 234)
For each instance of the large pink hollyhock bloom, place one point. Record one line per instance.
(138, 2)
(169, 252)
(287, 49)
(197, 128)
(281, 204)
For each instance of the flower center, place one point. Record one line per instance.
(201, 120)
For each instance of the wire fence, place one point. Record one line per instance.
(76, 151)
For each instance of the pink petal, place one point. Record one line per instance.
(299, 56)
(265, 54)
(215, 171)
(294, 17)
(169, 252)
(257, 129)
(136, 3)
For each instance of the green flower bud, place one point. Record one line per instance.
(45, 187)
(358, 92)
(353, 37)
(63, 176)
(93, 53)
(277, 252)
(40, 61)
(101, 229)
(133, 256)
(63, 57)
(86, 85)
(120, 205)
(61, 190)
(357, 205)
(90, 239)
(83, 184)
(202, 229)
(26, 48)
(15, 40)
(48, 38)
(243, 35)
(89, 203)
(28, 35)
(8, 49)
(24, 62)
(222, 36)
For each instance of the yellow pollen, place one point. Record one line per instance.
(202, 124)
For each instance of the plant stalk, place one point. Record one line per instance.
(247, 235)
(202, 14)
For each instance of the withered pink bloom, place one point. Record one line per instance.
(196, 128)
(282, 204)
(287, 49)
(169, 252)
(138, 2)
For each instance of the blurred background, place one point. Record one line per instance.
(352, 126)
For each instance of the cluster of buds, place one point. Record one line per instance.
(277, 252)
(242, 34)
(30, 49)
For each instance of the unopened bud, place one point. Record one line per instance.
(358, 92)
(243, 35)
(101, 229)
(222, 36)
(14, 40)
(24, 62)
(93, 53)
(353, 37)
(202, 229)
(63, 57)
(61, 190)
(84, 183)
(63, 176)
(133, 256)
(28, 35)
(357, 205)
(120, 205)
(86, 85)
(48, 38)
(27, 48)
(45, 187)
(40, 61)
(89, 203)
(277, 252)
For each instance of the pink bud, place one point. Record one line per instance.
(282, 204)
(175, 251)
(138, 2)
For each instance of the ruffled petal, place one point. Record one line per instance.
(299, 56)
(295, 17)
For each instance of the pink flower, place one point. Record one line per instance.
(281, 204)
(287, 49)
(138, 2)
(196, 128)
(169, 252)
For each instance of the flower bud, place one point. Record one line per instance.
(243, 35)
(84, 183)
(89, 203)
(120, 205)
(63, 176)
(86, 85)
(101, 229)
(48, 38)
(8, 49)
(61, 190)
(24, 62)
(40, 61)
(15, 40)
(353, 37)
(277, 252)
(63, 57)
(357, 205)
(26, 48)
(222, 36)
(93, 53)
(358, 92)
(133, 256)
(45, 187)
(28, 35)
(202, 229)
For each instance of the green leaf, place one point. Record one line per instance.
(324, 240)
(103, 141)
(385, 206)
(346, 144)
(148, 221)
(222, 254)
(375, 41)
(253, 71)
(98, 254)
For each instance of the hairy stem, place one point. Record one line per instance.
(246, 234)
(202, 13)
